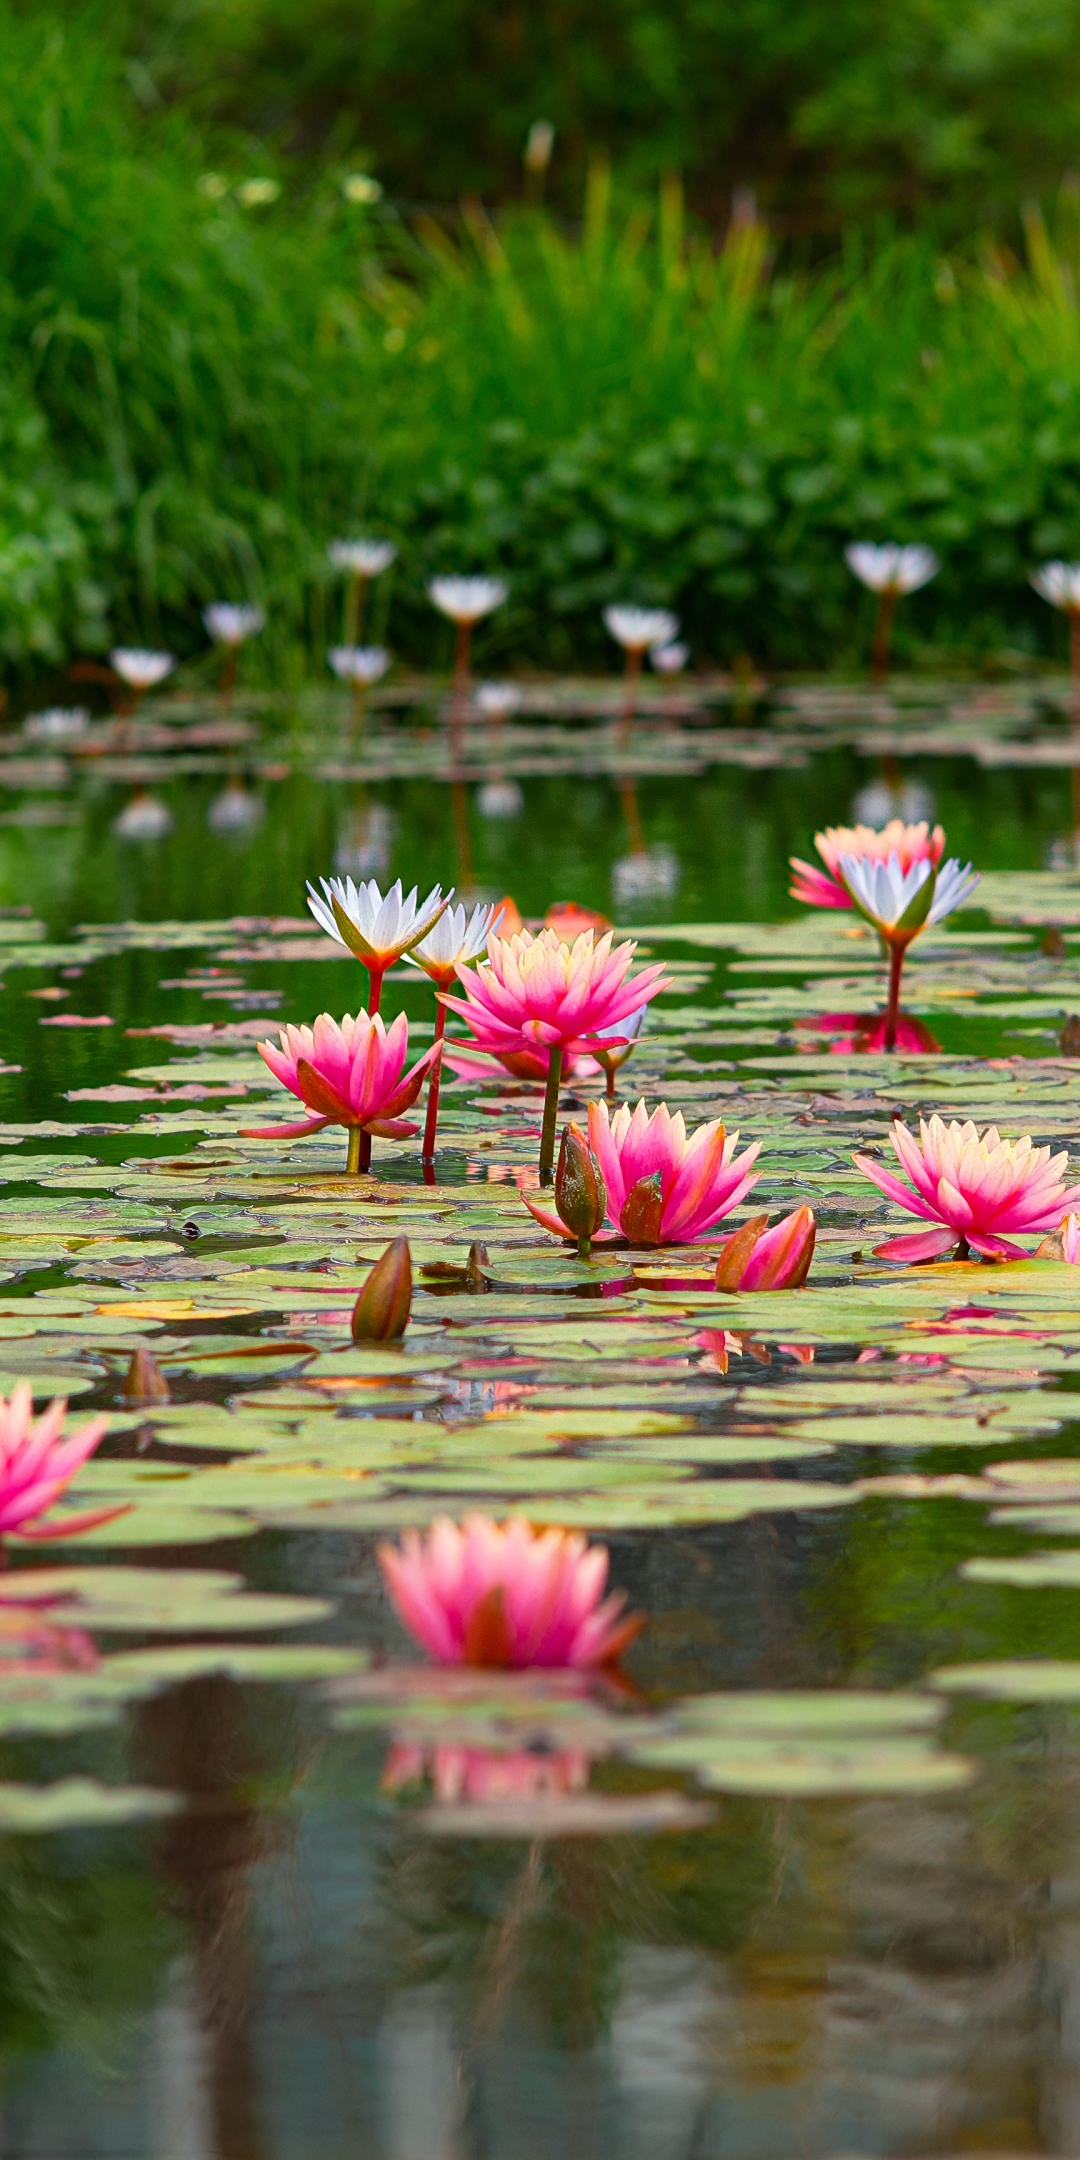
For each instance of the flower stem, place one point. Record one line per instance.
(434, 1078)
(228, 677)
(892, 1010)
(353, 1164)
(551, 1114)
(584, 1248)
(879, 653)
(634, 657)
(375, 978)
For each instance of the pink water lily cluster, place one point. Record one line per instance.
(506, 1595)
(977, 1191)
(348, 1073)
(826, 888)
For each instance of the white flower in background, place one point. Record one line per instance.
(457, 938)
(145, 817)
(229, 625)
(1058, 582)
(254, 193)
(359, 187)
(364, 558)
(235, 810)
(897, 900)
(539, 144)
(141, 670)
(638, 628)
(890, 567)
(500, 799)
(359, 663)
(213, 185)
(497, 700)
(670, 659)
(375, 929)
(62, 723)
(631, 1028)
(466, 599)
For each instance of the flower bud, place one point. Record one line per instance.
(580, 1193)
(643, 1210)
(756, 1258)
(144, 1381)
(381, 1311)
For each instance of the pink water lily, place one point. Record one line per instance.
(539, 994)
(663, 1189)
(348, 1073)
(1063, 1243)
(973, 1189)
(757, 1258)
(37, 1465)
(826, 888)
(506, 1595)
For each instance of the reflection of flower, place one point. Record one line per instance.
(1059, 582)
(235, 809)
(229, 625)
(466, 599)
(973, 1189)
(755, 1258)
(360, 664)
(909, 844)
(638, 628)
(348, 1074)
(891, 568)
(485, 1774)
(364, 558)
(537, 992)
(145, 817)
(670, 659)
(37, 1464)
(661, 1188)
(139, 669)
(492, 1594)
(862, 1033)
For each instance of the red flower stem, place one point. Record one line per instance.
(363, 1159)
(551, 1115)
(892, 1010)
(434, 1078)
(883, 629)
(634, 658)
(228, 677)
(461, 659)
(610, 1071)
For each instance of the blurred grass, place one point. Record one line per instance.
(198, 392)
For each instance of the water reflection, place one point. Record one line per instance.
(852, 1033)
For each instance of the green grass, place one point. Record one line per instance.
(195, 396)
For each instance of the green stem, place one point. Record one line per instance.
(352, 1164)
(584, 1248)
(551, 1114)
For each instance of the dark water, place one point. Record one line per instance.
(294, 1969)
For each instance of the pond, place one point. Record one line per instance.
(804, 1874)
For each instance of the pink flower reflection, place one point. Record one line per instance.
(484, 1775)
(857, 1033)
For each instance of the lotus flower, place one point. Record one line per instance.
(62, 723)
(973, 1189)
(891, 568)
(669, 659)
(1063, 1243)
(636, 629)
(826, 888)
(377, 930)
(466, 599)
(540, 994)
(898, 900)
(497, 700)
(756, 1258)
(455, 941)
(348, 1074)
(661, 1188)
(37, 1464)
(363, 558)
(360, 665)
(141, 670)
(230, 625)
(506, 1595)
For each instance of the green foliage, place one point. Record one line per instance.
(199, 387)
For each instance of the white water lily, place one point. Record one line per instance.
(62, 723)
(637, 629)
(359, 663)
(902, 902)
(670, 659)
(364, 558)
(466, 599)
(141, 670)
(497, 700)
(890, 567)
(377, 929)
(1058, 582)
(457, 938)
(233, 625)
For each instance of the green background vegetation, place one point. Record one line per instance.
(628, 394)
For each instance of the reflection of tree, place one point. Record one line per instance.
(82, 1947)
(197, 1741)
